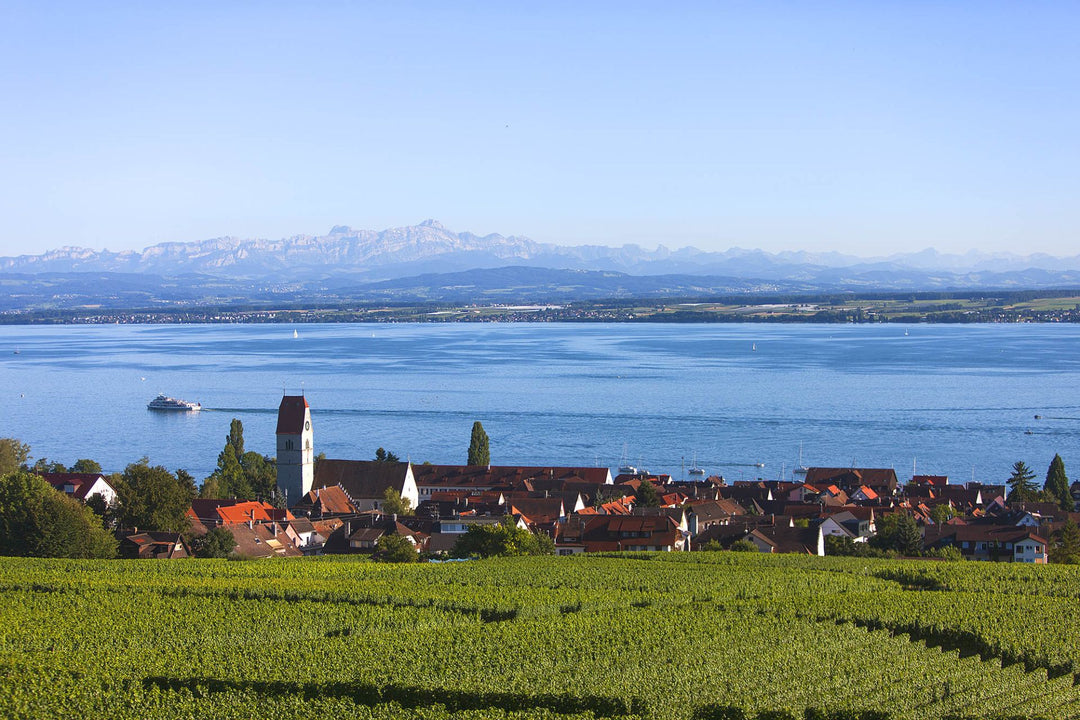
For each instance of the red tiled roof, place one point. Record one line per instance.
(868, 493)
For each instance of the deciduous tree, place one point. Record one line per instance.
(394, 504)
(38, 521)
(502, 539)
(85, 465)
(395, 548)
(899, 532)
(152, 498)
(239, 474)
(219, 542)
(12, 455)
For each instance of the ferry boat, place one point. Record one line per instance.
(164, 402)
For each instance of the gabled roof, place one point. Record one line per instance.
(80, 482)
(261, 541)
(867, 492)
(291, 413)
(851, 477)
(510, 476)
(537, 510)
(361, 479)
(329, 500)
(938, 480)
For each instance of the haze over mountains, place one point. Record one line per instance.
(430, 262)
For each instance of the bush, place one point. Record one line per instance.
(218, 543)
(502, 539)
(396, 549)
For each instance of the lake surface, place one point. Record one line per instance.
(957, 400)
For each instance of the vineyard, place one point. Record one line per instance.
(694, 636)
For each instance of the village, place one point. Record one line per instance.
(353, 506)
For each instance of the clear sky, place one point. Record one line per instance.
(866, 127)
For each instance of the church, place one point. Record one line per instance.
(364, 481)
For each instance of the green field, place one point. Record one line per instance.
(703, 635)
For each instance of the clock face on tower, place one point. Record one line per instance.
(307, 424)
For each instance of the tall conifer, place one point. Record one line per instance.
(479, 453)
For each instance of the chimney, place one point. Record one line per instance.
(348, 528)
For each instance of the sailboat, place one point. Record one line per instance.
(295, 334)
(754, 347)
(800, 469)
(694, 469)
(625, 468)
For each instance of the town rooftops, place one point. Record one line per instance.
(291, 414)
(851, 477)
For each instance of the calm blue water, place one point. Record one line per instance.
(950, 398)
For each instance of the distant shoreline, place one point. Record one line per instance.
(1038, 306)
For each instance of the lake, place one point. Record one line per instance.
(956, 400)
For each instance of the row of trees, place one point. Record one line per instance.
(1022, 486)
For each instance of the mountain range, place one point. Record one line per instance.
(430, 262)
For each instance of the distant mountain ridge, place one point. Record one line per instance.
(430, 247)
(429, 263)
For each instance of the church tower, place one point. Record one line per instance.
(295, 456)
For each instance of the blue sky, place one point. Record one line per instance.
(859, 127)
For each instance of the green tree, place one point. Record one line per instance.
(152, 498)
(12, 455)
(260, 474)
(239, 474)
(1057, 484)
(394, 504)
(502, 539)
(219, 542)
(942, 513)
(44, 465)
(1021, 484)
(1065, 544)
(85, 465)
(899, 532)
(38, 521)
(235, 439)
(382, 456)
(743, 545)
(646, 495)
(479, 450)
(395, 548)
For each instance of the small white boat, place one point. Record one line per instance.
(694, 469)
(164, 402)
(800, 469)
(295, 334)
